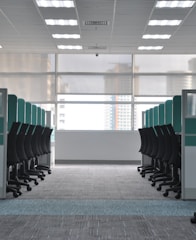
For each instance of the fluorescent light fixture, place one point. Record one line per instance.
(164, 22)
(174, 4)
(150, 47)
(62, 22)
(1, 46)
(55, 3)
(156, 36)
(70, 47)
(67, 36)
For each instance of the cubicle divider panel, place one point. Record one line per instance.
(156, 116)
(151, 117)
(168, 112)
(188, 144)
(34, 115)
(177, 123)
(12, 110)
(28, 116)
(161, 114)
(39, 121)
(3, 142)
(21, 110)
(147, 118)
(43, 117)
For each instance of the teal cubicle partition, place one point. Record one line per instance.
(39, 116)
(12, 110)
(34, 115)
(43, 117)
(168, 112)
(28, 117)
(147, 116)
(151, 123)
(151, 117)
(177, 114)
(161, 114)
(21, 110)
(188, 144)
(156, 116)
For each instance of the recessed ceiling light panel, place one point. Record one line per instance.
(156, 36)
(150, 48)
(164, 22)
(70, 47)
(55, 3)
(174, 4)
(61, 22)
(66, 36)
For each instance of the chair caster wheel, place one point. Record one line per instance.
(159, 188)
(193, 220)
(138, 169)
(19, 193)
(49, 171)
(177, 196)
(41, 177)
(165, 194)
(29, 188)
(153, 184)
(15, 194)
(36, 183)
(143, 175)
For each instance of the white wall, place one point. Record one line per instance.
(97, 145)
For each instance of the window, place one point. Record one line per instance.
(94, 115)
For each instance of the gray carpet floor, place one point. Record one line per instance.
(102, 202)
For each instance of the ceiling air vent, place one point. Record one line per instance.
(96, 23)
(97, 47)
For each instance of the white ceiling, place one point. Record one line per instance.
(23, 29)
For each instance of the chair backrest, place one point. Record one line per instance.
(20, 142)
(167, 143)
(28, 140)
(12, 156)
(161, 143)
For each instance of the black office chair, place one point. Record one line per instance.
(13, 161)
(20, 143)
(44, 143)
(165, 174)
(175, 164)
(160, 168)
(148, 148)
(29, 142)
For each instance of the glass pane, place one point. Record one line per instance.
(138, 109)
(163, 85)
(90, 63)
(27, 63)
(94, 116)
(93, 98)
(165, 63)
(95, 84)
(30, 87)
